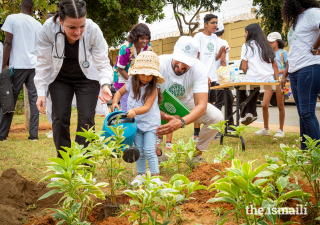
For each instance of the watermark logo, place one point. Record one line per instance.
(299, 210)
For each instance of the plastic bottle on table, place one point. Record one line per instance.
(236, 75)
(232, 74)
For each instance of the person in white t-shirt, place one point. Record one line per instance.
(209, 53)
(21, 44)
(303, 18)
(186, 78)
(259, 64)
(224, 61)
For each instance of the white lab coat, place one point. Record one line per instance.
(48, 67)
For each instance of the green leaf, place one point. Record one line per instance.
(48, 194)
(240, 182)
(223, 199)
(133, 217)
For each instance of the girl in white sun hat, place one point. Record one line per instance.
(144, 97)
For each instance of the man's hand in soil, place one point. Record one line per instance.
(173, 125)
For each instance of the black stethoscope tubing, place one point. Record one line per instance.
(85, 64)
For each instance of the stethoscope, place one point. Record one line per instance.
(85, 64)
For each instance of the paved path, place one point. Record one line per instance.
(291, 120)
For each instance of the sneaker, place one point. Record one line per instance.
(138, 180)
(279, 134)
(168, 145)
(33, 138)
(195, 138)
(163, 157)
(159, 140)
(263, 132)
(158, 181)
(195, 160)
(49, 134)
(217, 137)
(248, 119)
(3, 139)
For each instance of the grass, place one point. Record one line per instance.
(29, 158)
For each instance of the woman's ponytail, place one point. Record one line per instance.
(71, 8)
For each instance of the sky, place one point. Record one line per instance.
(228, 9)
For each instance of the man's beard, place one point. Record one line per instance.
(178, 73)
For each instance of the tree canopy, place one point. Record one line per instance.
(117, 17)
(182, 6)
(271, 20)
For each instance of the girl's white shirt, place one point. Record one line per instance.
(48, 67)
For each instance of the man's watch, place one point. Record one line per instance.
(106, 84)
(183, 123)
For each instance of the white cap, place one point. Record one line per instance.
(220, 27)
(274, 36)
(186, 50)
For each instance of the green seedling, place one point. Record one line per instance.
(227, 154)
(221, 126)
(239, 130)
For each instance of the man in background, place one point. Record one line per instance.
(220, 93)
(20, 45)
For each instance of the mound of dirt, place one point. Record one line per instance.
(204, 173)
(17, 194)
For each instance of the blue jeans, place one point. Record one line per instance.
(146, 143)
(305, 85)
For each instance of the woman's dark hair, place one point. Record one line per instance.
(292, 8)
(256, 34)
(281, 44)
(209, 17)
(71, 8)
(135, 82)
(139, 30)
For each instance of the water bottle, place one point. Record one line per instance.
(232, 74)
(236, 75)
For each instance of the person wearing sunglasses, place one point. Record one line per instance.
(72, 60)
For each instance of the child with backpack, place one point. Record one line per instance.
(277, 45)
(143, 99)
(258, 63)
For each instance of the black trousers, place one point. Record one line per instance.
(61, 92)
(251, 107)
(220, 102)
(20, 77)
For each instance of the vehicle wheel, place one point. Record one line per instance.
(273, 100)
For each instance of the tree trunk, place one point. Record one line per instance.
(26, 108)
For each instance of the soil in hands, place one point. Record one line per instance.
(18, 198)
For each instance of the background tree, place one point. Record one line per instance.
(271, 20)
(117, 17)
(183, 7)
(41, 9)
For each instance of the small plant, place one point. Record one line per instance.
(227, 154)
(32, 207)
(239, 130)
(221, 126)
(75, 181)
(108, 152)
(190, 150)
(178, 154)
(308, 163)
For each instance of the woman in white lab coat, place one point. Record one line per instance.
(72, 60)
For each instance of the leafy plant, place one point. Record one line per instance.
(221, 126)
(108, 152)
(152, 197)
(227, 154)
(69, 216)
(74, 179)
(308, 163)
(190, 150)
(239, 130)
(239, 189)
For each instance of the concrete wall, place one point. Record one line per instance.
(234, 34)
